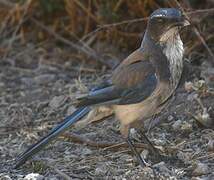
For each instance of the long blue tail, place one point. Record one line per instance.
(68, 121)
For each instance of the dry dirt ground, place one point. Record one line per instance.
(37, 86)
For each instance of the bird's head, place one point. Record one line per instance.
(165, 23)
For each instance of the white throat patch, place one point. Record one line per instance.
(173, 50)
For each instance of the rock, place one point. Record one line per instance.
(144, 154)
(101, 170)
(187, 127)
(33, 176)
(147, 174)
(5, 177)
(161, 167)
(134, 134)
(162, 172)
(57, 101)
(177, 125)
(188, 86)
(205, 119)
(170, 118)
(184, 156)
(182, 126)
(210, 145)
(201, 169)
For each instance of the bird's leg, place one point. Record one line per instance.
(152, 148)
(124, 129)
(141, 161)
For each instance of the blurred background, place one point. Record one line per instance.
(97, 31)
(52, 51)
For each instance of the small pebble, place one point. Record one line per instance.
(210, 145)
(133, 133)
(57, 101)
(177, 125)
(205, 119)
(101, 170)
(160, 142)
(184, 156)
(144, 154)
(187, 127)
(201, 169)
(33, 176)
(5, 177)
(161, 167)
(188, 86)
(170, 118)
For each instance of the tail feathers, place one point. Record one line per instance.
(70, 120)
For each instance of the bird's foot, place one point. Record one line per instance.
(140, 159)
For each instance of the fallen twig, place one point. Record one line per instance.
(106, 145)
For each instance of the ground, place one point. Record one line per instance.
(37, 86)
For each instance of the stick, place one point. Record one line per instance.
(106, 145)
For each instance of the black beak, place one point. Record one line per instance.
(179, 22)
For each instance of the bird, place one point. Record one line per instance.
(138, 87)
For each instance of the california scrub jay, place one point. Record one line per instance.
(139, 87)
